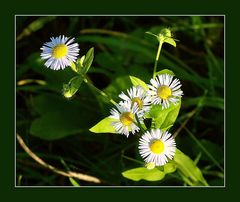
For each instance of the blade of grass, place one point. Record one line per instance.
(35, 26)
(215, 102)
(204, 149)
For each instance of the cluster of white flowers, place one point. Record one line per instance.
(155, 146)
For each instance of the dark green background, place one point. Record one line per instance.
(120, 7)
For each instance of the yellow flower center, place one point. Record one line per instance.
(59, 51)
(157, 146)
(164, 92)
(138, 101)
(126, 118)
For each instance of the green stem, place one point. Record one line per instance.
(157, 58)
(142, 127)
(89, 83)
(132, 159)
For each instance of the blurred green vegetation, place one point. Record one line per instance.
(57, 129)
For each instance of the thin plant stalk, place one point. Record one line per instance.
(90, 84)
(157, 58)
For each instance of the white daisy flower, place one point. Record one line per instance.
(137, 95)
(125, 117)
(59, 52)
(165, 90)
(157, 147)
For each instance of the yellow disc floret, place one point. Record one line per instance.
(164, 92)
(157, 146)
(126, 118)
(59, 51)
(138, 101)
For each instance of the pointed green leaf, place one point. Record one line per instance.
(87, 62)
(136, 81)
(166, 36)
(104, 126)
(72, 87)
(170, 41)
(165, 71)
(78, 67)
(143, 173)
(188, 169)
(74, 67)
(81, 60)
(73, 182)
(164, 118)
(119, 84)
(150, 33)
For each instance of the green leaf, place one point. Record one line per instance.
(169, 167)
(87, 62)
(84, 63)
(79, 65)
(104, 126)
(188, 169)
(136, 81)
(60, 117)
(81, 60)
(165, 71)
(72, 87)
(74, 67)
(50, 102)
(73, 182)
(164, 118)
(58, 124)
(170, 41)
(119, 84)
(165, 36)
(150, 33)
(148, 173)
(143, 173)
